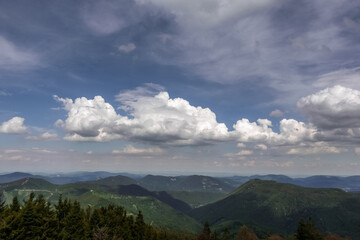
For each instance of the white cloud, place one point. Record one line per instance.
(241, 155)
(261, 147)
(46, 136)
(241, 145)
(245, 153)
(291, 132)
(13, 57)
(10, 151)
(312, 150)
(276, 113)
(127, 48)
(332, 108)
(131, 150)
(42, 150)
(89, 120)
(13, 126)
(153, 119)
(27, 154)
(357, 150)
(157, 119)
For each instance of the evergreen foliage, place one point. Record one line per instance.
(2, 202)
(37, 219)
(307, 231)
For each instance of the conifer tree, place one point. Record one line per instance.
(206, 232)
(307, 231)
(140, 228)
(15, 205)
(225, 235)
(74, 227)
(2, 203)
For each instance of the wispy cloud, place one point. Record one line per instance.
(127, 48)
(46, 136)
(13, 57)
(131, 150)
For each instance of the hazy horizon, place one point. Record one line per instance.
(227, 87)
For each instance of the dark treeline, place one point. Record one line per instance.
(306, 230)
(38, 219)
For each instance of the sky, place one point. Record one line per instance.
(177, 86)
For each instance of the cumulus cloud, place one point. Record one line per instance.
(13, 126)
(152, 119)
(151, 116)
(291, 132)
(332, 108)
(13, 57)
(276, 113)
(126, 48)
(131, 150)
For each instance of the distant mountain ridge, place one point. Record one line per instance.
(185, 183)
(350, 183)
(194, 182)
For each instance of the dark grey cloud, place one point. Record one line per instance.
(332, 108)
(335, 113)
(273, 44)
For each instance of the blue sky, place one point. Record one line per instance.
(207, 86)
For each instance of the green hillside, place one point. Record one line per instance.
(185, 183)
(159, 208)
(197, 198)
(155, 212)
(268, 206)
(23, 187)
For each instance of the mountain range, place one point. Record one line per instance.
(184, 203)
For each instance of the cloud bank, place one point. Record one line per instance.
(152, 117)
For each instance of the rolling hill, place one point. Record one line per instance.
(185, 183)
(159, 208)
(269, 206)
(14, 176)
(350, 183)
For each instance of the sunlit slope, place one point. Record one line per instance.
(277, 207)
(159, 208)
